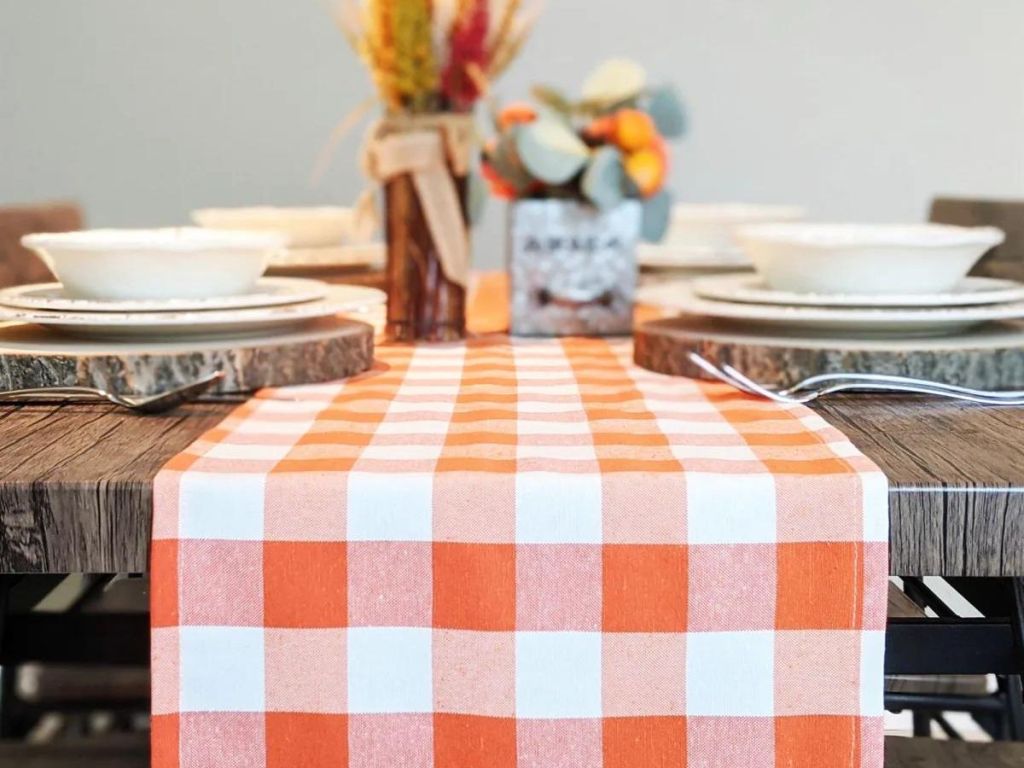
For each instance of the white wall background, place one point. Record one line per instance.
(145, 109)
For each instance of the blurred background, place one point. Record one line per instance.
(144, 110)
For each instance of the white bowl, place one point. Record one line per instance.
(137, 264)
(713, 226)
(866, 258)
(326, 226)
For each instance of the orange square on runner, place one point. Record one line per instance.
(820, 585)
(163, 596)
(305, 740)
(474, 586)
(164, 740)
(469, 741)
(644, 588)
(305, 584)
(814, 741)
(634, 741)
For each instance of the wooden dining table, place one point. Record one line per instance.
(76, 482)
(76, 487)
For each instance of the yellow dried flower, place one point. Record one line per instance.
(415, 68)
(379, 45)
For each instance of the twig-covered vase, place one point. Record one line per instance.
(423, 162)
(572, 268)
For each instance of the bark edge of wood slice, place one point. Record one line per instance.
(986, 357)
(326, 350)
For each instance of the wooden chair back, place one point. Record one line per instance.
(18, 265)
(1007, 260)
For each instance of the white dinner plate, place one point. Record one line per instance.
(752, 289)
(208, 323)
(668, 256)
(679, 297)
(363, 255)
(268, 292)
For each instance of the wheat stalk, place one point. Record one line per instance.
(380, 50)
(349, 19)
(401, 41)
(504, 26)
(514, 42)
(510, 46)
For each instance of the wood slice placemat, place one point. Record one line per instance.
(369, 276)
(329, 349)
(988, 357)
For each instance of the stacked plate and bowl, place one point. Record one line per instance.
(319, 239)
(702, 239)
(851, 280)
(165, 284)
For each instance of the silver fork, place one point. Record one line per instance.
(813, 382)
(848, 383)
(159, 403)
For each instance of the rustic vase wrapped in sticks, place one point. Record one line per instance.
(572, 267)
(422, 161)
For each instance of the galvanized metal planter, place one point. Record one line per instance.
(572, 268)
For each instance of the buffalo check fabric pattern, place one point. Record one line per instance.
(518, 553)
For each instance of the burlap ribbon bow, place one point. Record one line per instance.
(431, 150)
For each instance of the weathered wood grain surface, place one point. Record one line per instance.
(929, 753)
(76, 482)
(956, 476)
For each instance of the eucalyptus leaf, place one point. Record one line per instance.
(552, 98)
(505, 160)
(614, 81)
(476, 198)
(666, 109)
(551, 151)
(656, 212)
(597, 108)
(602, 181)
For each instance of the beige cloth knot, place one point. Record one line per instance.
(425, 150)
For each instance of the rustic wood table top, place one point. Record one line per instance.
(76, 482)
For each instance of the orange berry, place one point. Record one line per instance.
(502, 189)
(488, 172)
(516, 113)
(600, 128)
(500, 186)
(634, 130)
(647, 168)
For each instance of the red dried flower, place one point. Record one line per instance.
(467, 58)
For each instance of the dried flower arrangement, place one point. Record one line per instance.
(431, 61)
(429, 56)
(602, 149)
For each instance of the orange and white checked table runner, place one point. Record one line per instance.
(518, 553)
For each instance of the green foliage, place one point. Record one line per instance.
(476, 198)
(552, 98)
(505, 160)
(615, 81)
(587, 149)
(550, 151)
(656, 212)
(666, 109)
(603, 180)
